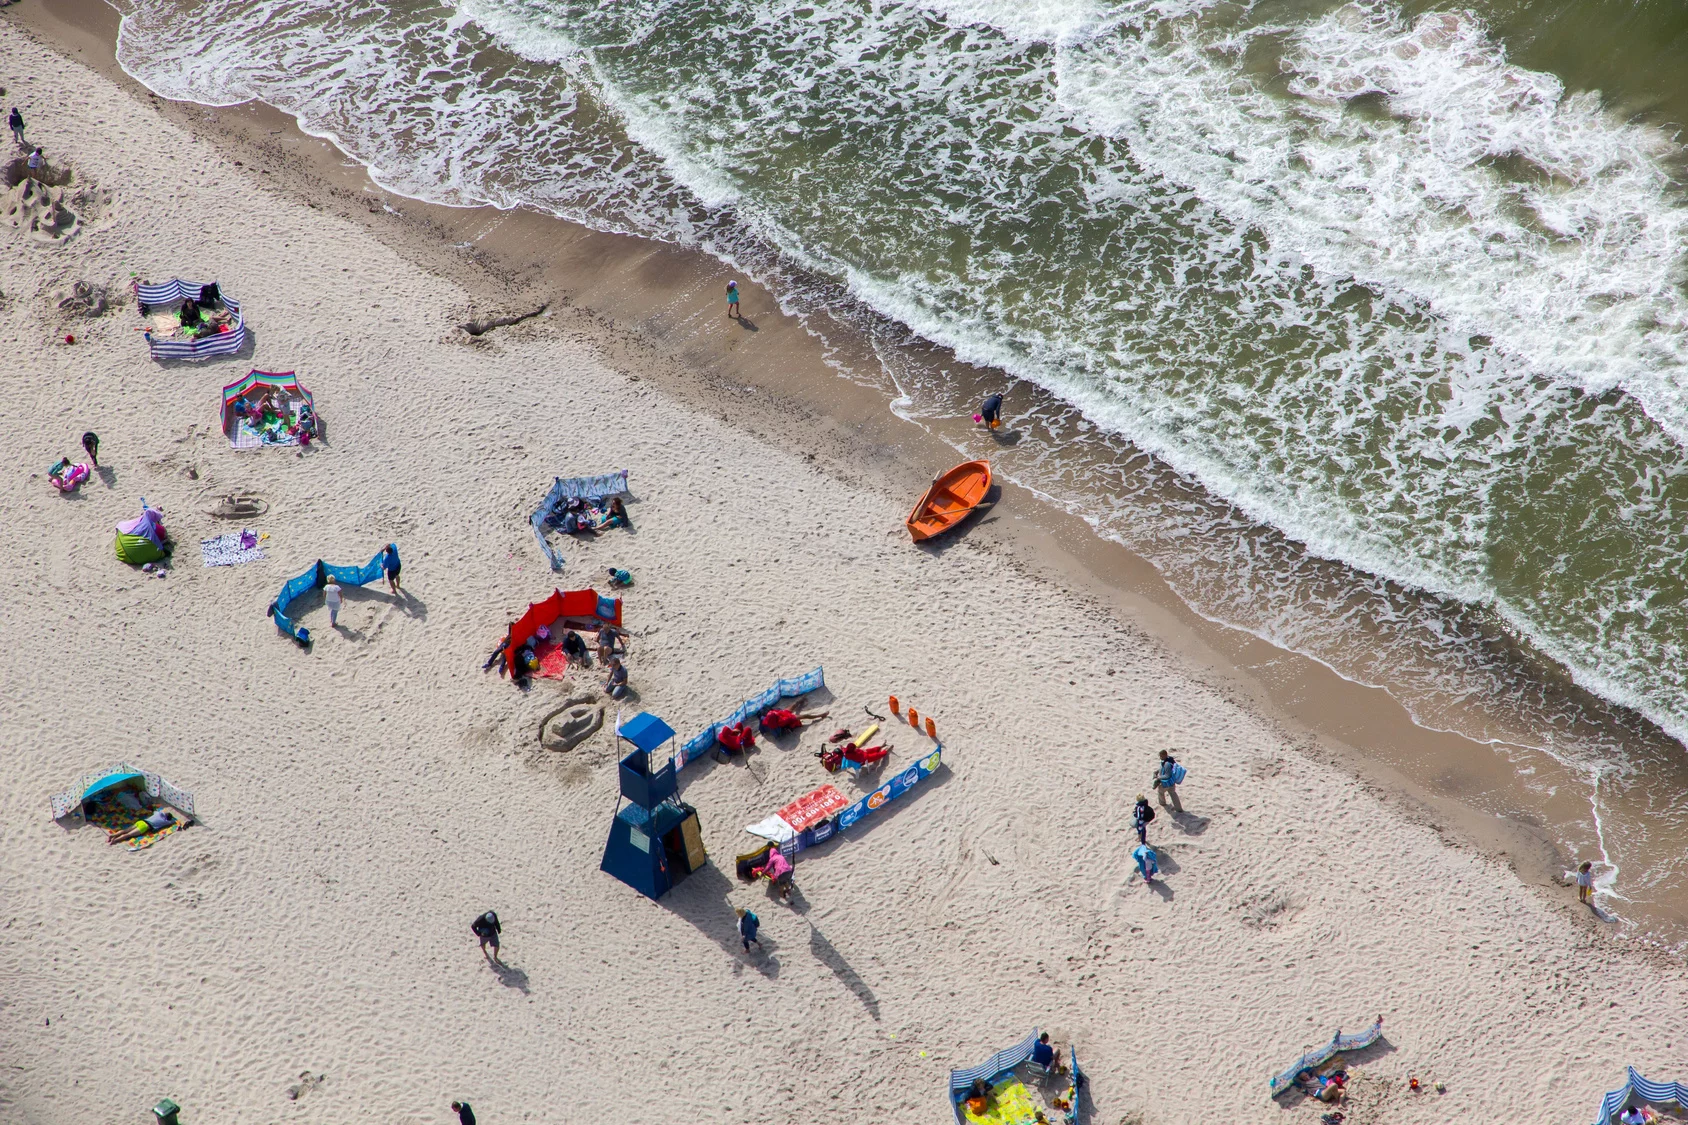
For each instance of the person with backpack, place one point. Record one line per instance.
(1140, 817)
(1148, 863)
(487, 928)
(1167, 779)
(748, 924)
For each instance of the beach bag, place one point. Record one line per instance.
(1177, 773)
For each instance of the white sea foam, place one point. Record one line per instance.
(1476, 186)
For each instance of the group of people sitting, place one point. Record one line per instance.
(612, 646)
(583, 517)
(1330, 1088)
(198, 320)
(272, 423)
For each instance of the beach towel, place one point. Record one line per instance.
(231, 550)
(1009, 1105)
(553, 661)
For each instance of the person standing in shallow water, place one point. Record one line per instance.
(732, 301)
(1585, 883)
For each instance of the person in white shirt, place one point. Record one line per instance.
(331, 598)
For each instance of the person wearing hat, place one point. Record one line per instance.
(1140, 817)
(748, 924)
(732, 300)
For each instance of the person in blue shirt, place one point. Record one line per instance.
(390, 564)
(748, 924)
(1166, 781)
(1043, 1054)
(465, 1115)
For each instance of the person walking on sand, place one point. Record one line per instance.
(16, 122)
(1585, 883)
(1148, 864)
(732, 301)
(1167, 779)
(465, 1115)
(487, 928)
(1140, 817)
(331, 598)
(390, 564)
(91, 443)
(748, 924)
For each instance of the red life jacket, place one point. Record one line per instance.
(832, 759)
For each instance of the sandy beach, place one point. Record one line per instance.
(303, 953)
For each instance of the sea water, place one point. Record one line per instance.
(1365, 322)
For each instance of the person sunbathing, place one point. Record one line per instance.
(156, 821)
(778, 719)
(978, 1097)
(860, 756)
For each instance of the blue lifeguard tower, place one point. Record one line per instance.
(654, 840)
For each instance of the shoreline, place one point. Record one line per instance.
(654, 305)
(361, 800)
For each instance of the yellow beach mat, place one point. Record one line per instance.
(1009, 1105)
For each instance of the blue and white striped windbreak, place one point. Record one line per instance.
(1659, 1093)
(173, 292)
(962, 1080)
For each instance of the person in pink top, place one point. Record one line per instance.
(778, 870)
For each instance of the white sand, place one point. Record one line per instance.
(363, 801)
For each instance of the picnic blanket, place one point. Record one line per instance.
(1009, 1105)
(232, 549)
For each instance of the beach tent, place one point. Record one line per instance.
(120, 775)
(655, 840)
(295, 410)
(563, 489)
(141, 540)
(1637, 1088)
(160, 304)
(998, 1071)
(585, 609)
(318, 576)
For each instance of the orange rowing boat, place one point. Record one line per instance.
(950, 498)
